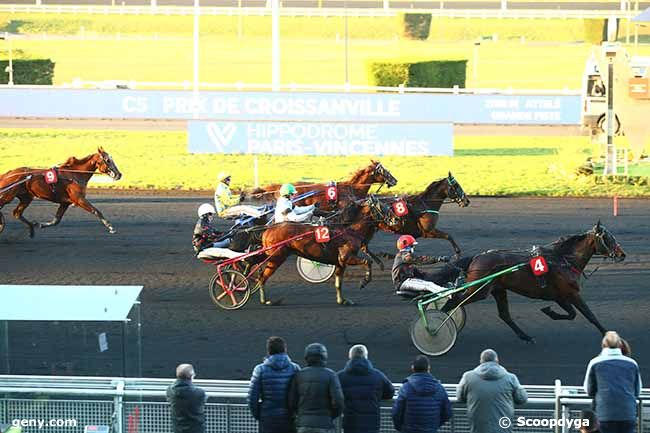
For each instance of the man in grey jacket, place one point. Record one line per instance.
(491, 393)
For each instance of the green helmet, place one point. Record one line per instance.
(287, 189)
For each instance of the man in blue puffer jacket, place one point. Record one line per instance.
(422, 405)
(267, 395)
(364, 387)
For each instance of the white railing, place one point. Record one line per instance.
(315, 11)
(120, 402)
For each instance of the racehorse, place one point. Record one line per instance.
(424, 211)
(566, 259)
(355, 188)
(69, 189)
(342, 250)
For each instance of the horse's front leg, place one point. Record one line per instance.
(586, 311)
(57, 217)
(373, 256)
(338, 285)
(84, 204)
(439, 234)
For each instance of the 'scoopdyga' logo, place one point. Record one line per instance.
(221, 136)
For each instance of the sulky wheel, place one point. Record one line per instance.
(2, 222)
(427, 340)
(314, 272)
(229, 290)
(459, 316)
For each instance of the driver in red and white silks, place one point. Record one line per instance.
(408, 280)
(285, 210)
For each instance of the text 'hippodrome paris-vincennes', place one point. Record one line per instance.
(282, 106)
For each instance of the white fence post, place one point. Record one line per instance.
(118, 409)
(558, 403)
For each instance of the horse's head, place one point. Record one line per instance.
(455, 191)
(605, 243)
(106, 165)
(379, 174)
(380, 211)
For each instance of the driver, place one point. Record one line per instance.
(285, 210)
(207, 237)
(408, 280)
(227, 204)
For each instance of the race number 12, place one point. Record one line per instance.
(322, 234)
(400, 208)
(539, 266)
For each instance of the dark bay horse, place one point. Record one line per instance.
(566, 258)
(355, 188)
(69, 189)
(424, 211)
(356, 230)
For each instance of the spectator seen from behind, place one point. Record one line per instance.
(491, 393)
(615, 383)
(315, 394)
(363, 388)
(269, 387)
(422, 405)
(187, 402)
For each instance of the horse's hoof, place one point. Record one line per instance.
(529, 340)
(111, 230)
(270, 303)
(347, 303)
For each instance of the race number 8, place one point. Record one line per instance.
(400, 208)
(332, 193)
(322, 234)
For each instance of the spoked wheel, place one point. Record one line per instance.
(429, 339)
(314, 272)
(230, 290)
(2, 222)
(459, 316)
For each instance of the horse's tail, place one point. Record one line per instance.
(451, 271)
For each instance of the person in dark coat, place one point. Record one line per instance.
(315, 395)
(267, 394)
(363, 388)
(422, 405)
(187, 402)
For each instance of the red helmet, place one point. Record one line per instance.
(405, 241)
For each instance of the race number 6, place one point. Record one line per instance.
(322, 234)
(50, 176)
(400, 208)
(331, 193)
(539, 266)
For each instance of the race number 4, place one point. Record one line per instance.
(332, 193)
(50, 176)
(400, 208)
(539, 266)
(322, 234)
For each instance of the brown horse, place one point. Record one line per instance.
(69, 189)
(566, 258)
(342, 250)
(355, 188)
(424, 211)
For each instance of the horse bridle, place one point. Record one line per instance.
(110, 165)
(458, 197)
(378, 212)
(381, 171)
(600, 238)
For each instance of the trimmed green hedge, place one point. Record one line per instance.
(434, 73)
(415, 26)
(37, 71)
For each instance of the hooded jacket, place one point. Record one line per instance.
(187, 403)
(267, 394)
(422, 405)
(491, 393)
(315, 396)
(363, 389)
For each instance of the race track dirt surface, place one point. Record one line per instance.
(180, 323)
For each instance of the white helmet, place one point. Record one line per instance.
(223, 176)
(206, 208)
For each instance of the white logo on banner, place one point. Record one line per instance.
(221, 136)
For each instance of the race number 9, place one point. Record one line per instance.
(50, 176)
(539, 266)
(322, 234)
(331, 193)
(400, 208)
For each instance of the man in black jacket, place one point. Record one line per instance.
(315, 394)
(187, 402)
(364, 387)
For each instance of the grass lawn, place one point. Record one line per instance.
(159, 160)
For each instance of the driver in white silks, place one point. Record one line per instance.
(408, 280)
(208, 241)
(285, 210)
(227, 204)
